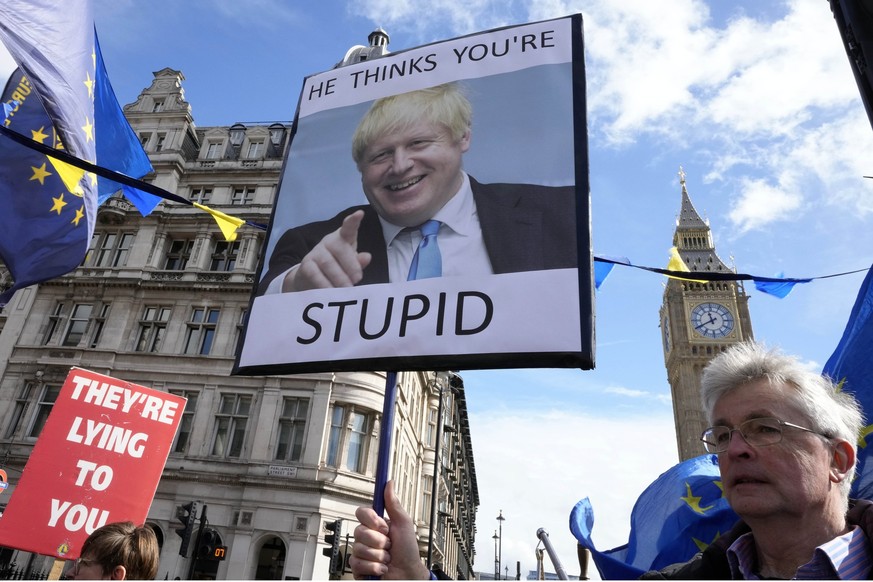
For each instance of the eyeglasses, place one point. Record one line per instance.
(758, 432)
(81, 562)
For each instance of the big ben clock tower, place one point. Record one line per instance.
(698, 320)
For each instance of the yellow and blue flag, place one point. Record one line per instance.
(851, 365)
(59, 97)
(678, 515)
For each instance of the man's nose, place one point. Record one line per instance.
(737, 445)
(401, 161)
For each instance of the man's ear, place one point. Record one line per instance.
(118, 573)
(464, 142)
(843, 460)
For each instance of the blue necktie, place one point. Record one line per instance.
(427, 261)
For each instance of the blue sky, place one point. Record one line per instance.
(754, 99)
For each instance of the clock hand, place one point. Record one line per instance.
(707, 322)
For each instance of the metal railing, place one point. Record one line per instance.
(14, 572)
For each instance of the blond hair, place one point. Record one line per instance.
(444, 105)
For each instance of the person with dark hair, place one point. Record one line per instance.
(117, 551)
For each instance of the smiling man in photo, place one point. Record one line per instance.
(409, 150)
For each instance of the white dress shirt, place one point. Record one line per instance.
(460, 240)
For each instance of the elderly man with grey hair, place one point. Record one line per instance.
(785, 438)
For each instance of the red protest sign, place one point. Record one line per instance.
(98, 460)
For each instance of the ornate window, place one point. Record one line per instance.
(47, 397)
(349, 438)
(152, 327)
(230, 425)
(55, 320)
(178, 254)
(22, 401)
(431, 427)
(213, 150)
(240, 325)
(99, 318)
(183, 436)
(109, 249)
(201, 330)
(292, 429)
(242, 196)
(83, 322)
(224, 256)
(78, 324)
(256, 150)
(200, 194)
(426, 498)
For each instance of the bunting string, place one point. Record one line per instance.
(603, 264)
(122, 178)
(776, 286)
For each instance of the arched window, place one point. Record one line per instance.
(271, 560)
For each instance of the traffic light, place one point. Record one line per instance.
(187, 516)
(209, 542)
(220, 553)
(333, 552)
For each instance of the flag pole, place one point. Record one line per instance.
(385, 431)
(543, 535)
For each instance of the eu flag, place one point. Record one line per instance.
(118, 147)
(57, 97)
(851, 365)
(677, 516)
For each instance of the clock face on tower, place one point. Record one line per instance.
(712, 320)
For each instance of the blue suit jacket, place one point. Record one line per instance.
(525, 227)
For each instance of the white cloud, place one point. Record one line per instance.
(761, 203)
(838, 154)
(681, 75)
(781, 73)
(641, 65)
(831, 157)
(420, 18)
(637, 394)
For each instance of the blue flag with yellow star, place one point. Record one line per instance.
(851, 365)
(58, 98)
(118, 147)
(44, 228)
(677, 516)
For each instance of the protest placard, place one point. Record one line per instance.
(509, 193)
(98, 460)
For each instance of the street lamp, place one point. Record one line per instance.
(500, 520)
(496, 562)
